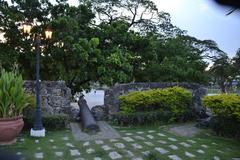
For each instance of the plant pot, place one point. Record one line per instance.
(10, 128)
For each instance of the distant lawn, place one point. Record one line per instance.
(218, 91)
(140, 142)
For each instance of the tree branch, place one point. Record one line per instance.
(134, 16)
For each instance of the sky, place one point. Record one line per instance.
(203, 19)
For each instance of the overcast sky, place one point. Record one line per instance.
(204, 20)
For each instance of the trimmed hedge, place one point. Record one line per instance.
(147, 118)
(226, 111)
(50, 122)
(140, 118)
(223, 126)
(224, 105)
(175, 100)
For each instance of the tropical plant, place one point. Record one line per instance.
(13, 98)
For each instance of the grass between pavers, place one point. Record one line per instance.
(223, 148)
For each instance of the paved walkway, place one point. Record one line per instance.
(106, 132)
(134, 144)
(188, 130)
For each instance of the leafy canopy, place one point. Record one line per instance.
(101, 41)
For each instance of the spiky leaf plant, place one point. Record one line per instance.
(13, 98)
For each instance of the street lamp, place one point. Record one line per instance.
(27, 27)
(37, 130)
(48, 33)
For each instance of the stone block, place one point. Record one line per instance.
(55, 96)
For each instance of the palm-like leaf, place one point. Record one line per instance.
(13, 98)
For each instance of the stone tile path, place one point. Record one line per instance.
(188, 130)
(106, 132)
(129, 145)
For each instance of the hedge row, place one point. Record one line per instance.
(175, 100)
(50, 122)
(223, 126)
(224, 105)
(226, 111)
(148, 118)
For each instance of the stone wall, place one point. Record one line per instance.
(111, 98)
(55, 96)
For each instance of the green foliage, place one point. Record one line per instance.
(221, 70)
(141, 118)
(50, 122)
(178, 59)
(13, 99)
(176, 100)
(236, 67)
(107, 11)
(153, 156)
(149, 118)
(119, 47)
(224, 105)
(225, 70)
(226, 110)
(225, 126)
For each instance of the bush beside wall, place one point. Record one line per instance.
(166, 105)
(224, 105)
(147, 118)
(228, 127)
(226, 112)
(140, 118)
(50, 122)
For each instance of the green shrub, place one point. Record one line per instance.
(226, 111)
(176, 100)
(50, 122)
(148, 118)
(140, 118)
(225, 126)
(153, 156)
(224, 105)
(13, 99)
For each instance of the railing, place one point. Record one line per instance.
(213, 90)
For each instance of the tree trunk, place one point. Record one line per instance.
(223, 87)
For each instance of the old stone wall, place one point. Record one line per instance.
(111, 98)
(55, 96)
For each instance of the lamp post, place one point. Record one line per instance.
(37, 130)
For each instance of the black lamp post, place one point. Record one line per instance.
(37, 130)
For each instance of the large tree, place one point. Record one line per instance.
(150, 37)
(72, 55)
(236, 67)
(181, 58)
(140, 15)
(102, 41)
(222, 71)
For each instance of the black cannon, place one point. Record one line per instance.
(88, 122)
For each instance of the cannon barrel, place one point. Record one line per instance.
(88, 122)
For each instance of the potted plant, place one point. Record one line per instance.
(13, 100)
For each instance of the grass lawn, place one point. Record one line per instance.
(156, 142)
